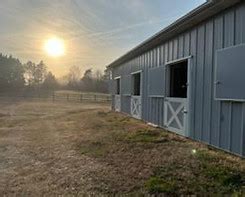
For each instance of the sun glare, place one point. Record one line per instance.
(55, 47)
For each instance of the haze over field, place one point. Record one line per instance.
(92, 33)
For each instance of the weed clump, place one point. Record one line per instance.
(147, 136)
(157, 185)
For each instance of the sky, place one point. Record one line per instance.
(95, 32)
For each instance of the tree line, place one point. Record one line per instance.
(88, 81)
(30, 77)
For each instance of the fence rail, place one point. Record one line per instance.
(62, 97)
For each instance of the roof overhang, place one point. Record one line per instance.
(193, 18)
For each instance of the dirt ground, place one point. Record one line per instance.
(77, 149)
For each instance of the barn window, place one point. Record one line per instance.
(118, 86)
(136, 84)
(178, 80)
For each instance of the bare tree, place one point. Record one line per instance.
(98, 75)
(74, 77)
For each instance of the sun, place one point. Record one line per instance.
(54, 47)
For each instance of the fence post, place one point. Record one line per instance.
(67, 97)
(95, 97)
(81, 98)
(53, 97)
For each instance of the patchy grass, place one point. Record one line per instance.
(148, 136)
(209, 175)
(94, 149)
(157, 185)
(66, 149)
(181, 169)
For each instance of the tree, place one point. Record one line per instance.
(88, 74)
(29, 73)
(35, 74)
(11, 73)
(94, 83)
(87, 81)
(101, 82)
(74, 77)
(40, 73)
(50, 82)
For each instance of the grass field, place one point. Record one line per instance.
(76, 149)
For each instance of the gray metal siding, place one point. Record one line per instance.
(219, 123)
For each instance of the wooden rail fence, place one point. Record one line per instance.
(63, 97)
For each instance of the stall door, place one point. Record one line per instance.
(117, 103)
(176, 115)
(136, 98)
(177, 95)
(136, 107)
(118, 94)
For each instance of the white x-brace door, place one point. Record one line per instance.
(175, 117)
(117, 103)
(177, 111)
(136, 108)
(136, 101)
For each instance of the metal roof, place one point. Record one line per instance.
(196, 16)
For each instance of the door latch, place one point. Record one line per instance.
(184, 111)
(217, 82)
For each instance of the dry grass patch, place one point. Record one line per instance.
(52, 149)
(170, 165)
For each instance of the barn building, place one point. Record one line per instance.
(190, 77)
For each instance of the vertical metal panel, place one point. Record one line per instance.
(155, 57)
(181, 47)
(175, 49)
(170, 50)
(158, 56)
(151, 58)
(216, 105)
(193, 51)
(147, 98)
(200, 80)
(187, 44)
(207, 90)
(225, 125)
(242, 148)
(144, 100)
(166, 52)
(153, 105)
(239, 25)
(242, 23)
(229, 27)
(163, 55)
(236, 128)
